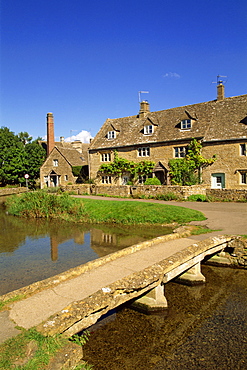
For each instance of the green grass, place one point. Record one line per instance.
(41, 204)
(11, 300)
(31, 350)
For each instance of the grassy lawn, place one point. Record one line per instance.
(43, 205)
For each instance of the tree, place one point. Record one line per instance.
(19, 155)
(187, 171)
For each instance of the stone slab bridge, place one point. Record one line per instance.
(74, 300)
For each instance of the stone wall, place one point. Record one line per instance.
(4, 192)
(149, 191)
(231, 195)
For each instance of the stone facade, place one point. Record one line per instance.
(220, 125)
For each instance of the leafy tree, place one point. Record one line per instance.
(187, 171)
(19, 155)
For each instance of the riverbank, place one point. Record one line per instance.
(51, 206)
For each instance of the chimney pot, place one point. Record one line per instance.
(220, 91)
(144, 108)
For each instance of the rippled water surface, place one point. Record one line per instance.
(32, 250)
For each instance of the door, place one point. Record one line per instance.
(217, 180)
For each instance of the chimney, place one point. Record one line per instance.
(61, 139)
(144, 108)
(220, 91)
(50, 133)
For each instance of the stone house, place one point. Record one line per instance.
(220, 125)
(66, 163)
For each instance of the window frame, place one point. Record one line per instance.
(111, 135)
(186, 124)
(243, 177)
(179, 150)
(243, 150)
(106, 179)
(143, 151)
(148, 129)
(55, 162)
(106, 157)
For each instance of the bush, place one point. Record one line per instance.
(152, 181)
(168, 196)
(197, 198)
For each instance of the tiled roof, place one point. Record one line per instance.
(73, 157)
(214, 120)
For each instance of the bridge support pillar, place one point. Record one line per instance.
(153, 301)
(192, 276)
(219, 259)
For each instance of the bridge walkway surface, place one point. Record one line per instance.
(33, 310)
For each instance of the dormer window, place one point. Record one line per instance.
(148, 129)
(55, 162)
(111, 135)
(186, 124)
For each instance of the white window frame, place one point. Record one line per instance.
(243, 150)
(105, 157)
(243, 177)
(180, 151)
(144, 151)
(55, 162)
(106, 179)
(65, 177)
(186, 124)
(111, 135)
(148, 130)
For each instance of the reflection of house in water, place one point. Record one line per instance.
(55, 240)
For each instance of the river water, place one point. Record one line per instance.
(33, 250)
(204, 328)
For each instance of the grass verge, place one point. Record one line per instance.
(42, 204)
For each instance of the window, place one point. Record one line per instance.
(106, 157)
(65, 177)
(243, 149)
(243, 178)
(111, 135)
(186, 124)
(55, 162)
(179, 152)
(142, 179)
(144, 152)
(106, 179)
(148, 129)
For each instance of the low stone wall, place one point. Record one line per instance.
(149, 191)
(231, 195)
(182, 192)
(5, 192)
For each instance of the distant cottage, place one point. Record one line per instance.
(66, 163)
(220, 125)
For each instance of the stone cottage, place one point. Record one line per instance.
(66, 163)
(220, 125)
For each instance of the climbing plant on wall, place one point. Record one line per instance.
(121, 165)
(187, 170)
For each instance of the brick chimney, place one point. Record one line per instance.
(220, 91)
(144, 108)
(50, 133)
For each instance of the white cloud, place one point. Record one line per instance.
(83, 136)
(171, 75)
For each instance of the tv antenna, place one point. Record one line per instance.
(71, 133)
(142, 92)
(219, 80)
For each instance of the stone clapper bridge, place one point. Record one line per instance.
(74, 300)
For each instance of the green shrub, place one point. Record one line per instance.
(168, 196)
(152, 181)
(197, 198)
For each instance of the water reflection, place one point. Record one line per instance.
(32, 250)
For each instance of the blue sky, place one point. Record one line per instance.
(86, 60)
